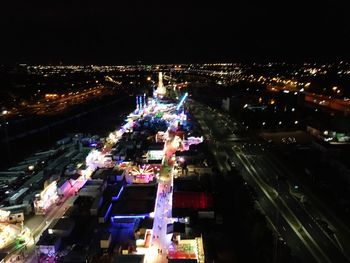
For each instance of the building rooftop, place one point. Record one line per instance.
(48, 240)
(64, 224)
(193, 183)
(135, 200)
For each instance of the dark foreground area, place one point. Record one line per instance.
(97, 117)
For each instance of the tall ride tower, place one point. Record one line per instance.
(161, 90)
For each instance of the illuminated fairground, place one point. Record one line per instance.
(190, 249)
(46, 199)
(12, 234)
(141, 174)
(155, 166)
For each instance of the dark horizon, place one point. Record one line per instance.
(124, 33)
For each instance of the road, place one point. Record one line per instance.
(231, 142)
(162, 216)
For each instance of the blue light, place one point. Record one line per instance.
(182, 101)
(108, 210)
(140, 101)
(130, 216)
(115, 198)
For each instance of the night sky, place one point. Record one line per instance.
(127, 31)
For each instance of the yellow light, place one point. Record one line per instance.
(334, 88)
(48, 95)
(148, 78)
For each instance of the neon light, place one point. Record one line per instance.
(115, 198)
(108, 210)
(140, 102)
(131, 216)
(182, 101)
(126, 216)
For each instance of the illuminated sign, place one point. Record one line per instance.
(155, 154)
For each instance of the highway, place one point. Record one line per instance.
(282, 207)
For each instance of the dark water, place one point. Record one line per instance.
(99, 118)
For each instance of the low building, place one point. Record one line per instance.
(96, 205)
(186, 250)
(48, 244)
(62, 227)
(87, 193)
(105, 240)
(104, 212)
(135, 201)
(15, 209)
(106, 174)
(16, 217)
(199, 169)
(18, 196)
(191, 196)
